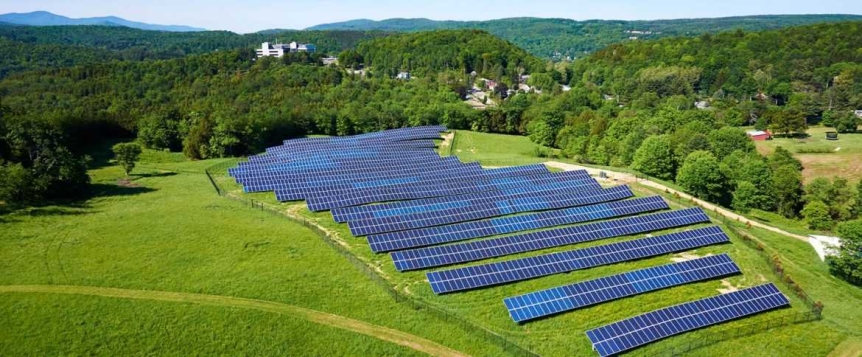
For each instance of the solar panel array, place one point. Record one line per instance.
(477, 276)
(652, 326)
(471, 251)
(429, 211)
(574, 296)
(503, 225)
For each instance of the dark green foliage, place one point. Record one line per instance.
(655, 158)
(161, 131)
(836, 195)
(753, 179)
(847, 264)
(700, 175)
(787, 188)
(36, 165)
(801, 71)
(127, 154)
(25, 48)
(746, 196)
(561, 38)
(726, 140)
(781, 157)
(428, 53)
(816, 215)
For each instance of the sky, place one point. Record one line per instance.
(245, 16)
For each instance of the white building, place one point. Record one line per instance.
(278, 50)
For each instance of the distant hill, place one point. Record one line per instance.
(562, 38)
(44, 18)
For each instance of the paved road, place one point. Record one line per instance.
(318, 317)
(623, 177)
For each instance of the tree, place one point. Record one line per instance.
(746, 196)
(655, 158)
(15, 184)
(700, 175)
(781, 157)
(787, 187)
(160, 131)
(786, 121)
(857, 204)
(816, 214)
(847, 262)
(127, 155)
(846, 122)
(729, 139)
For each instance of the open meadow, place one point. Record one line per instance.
(822, 157)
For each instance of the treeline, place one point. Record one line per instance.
(562, 38)
(31, 48)
(464, 51)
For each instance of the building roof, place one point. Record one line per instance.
(757, 133)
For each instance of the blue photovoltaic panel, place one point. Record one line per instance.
(343, 155)
(348, 166)
(653, 326)
(289, 155)
(575, 296)
(580, 180)
(463, 174)
(381, 136)
(511, 177)
(471, 251)
(504, 225)
(372, 169)
(371, 179)
(486, 209)
(477, 276)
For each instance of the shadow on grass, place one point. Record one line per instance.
(111, 190)
(153, 174)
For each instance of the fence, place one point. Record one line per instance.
(398, 296)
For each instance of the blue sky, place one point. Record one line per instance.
(253, 15)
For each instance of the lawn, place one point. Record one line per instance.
(842, 157)
(169, 231)
(564, 334)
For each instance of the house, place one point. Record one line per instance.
(279, 49)
(523, 78)
(329, 61)
(491, 85)
(566, 88)
(759, 135)
(701, 104)
(403, 75)
(858, 113)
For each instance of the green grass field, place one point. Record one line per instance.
(842, 157)
(170, 232)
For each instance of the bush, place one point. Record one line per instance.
(847, 263)
(816, 214)
(15, 184)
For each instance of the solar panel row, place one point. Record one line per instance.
(591, 292)
(468, 211)
(335, 183)
(335, 165)
(578, 178)
(503, 225)
(420, 166)
(478, 276)
(519, 176)
(489, 248)
(465, 176)
(652, 326)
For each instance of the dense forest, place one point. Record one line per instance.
(464, 51)
(562, 38)
(25, 48)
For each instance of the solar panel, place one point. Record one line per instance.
(578, 178)
(471, 251)
(503, 225)
(369, 179)
(517, 176)
(469, 211)
(245, 169)
(591, 292)
(477, 276)
(656, 325)
(372, 168)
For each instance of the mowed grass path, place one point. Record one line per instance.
(844, 158)
(172, 233)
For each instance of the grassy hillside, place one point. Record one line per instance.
(561, 38)
(168, 231)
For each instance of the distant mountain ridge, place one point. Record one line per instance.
(562, 38)
(44, 18)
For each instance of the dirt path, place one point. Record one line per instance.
(622, 177)
(336, 321)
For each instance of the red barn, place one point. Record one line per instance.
(759, 135)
